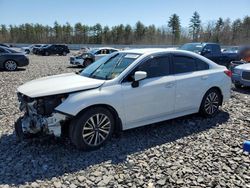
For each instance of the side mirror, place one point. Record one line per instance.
(139, 75)
(206, 51)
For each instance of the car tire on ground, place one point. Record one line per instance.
(46, 53)
(64, 53)
(87, 62)
(210, 103)
(92, 128)
(10, 65)
(27, 51)
(237, 86)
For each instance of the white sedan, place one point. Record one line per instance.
(121, 91)
(86, 58)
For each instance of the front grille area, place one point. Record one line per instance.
(246, 75)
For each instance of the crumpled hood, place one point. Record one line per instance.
(58, 84)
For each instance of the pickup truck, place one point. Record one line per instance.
(211, 51)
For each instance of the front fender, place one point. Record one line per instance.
(76, 102)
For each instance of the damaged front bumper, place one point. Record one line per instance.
(39, 118)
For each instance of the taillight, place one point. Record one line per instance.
(228, 73)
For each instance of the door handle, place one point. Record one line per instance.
(204, 77)
(169, 85)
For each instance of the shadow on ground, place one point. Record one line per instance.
(17, 70)
(243, 90)
(44, 159)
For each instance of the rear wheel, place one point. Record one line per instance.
(93, 128)
(46, 53)
(10, 65)
(64, 53)
(238, 86)
(211, 103)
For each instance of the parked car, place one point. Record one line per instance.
(212, 51)
(4, 45)
(29, 49)
(86, 58)
(36, 48)
(54, 49)
(11, 59)
(241, 75)
(120, 91)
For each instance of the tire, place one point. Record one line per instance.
(20, 135)
(87, 62)
(46, 53)
(64, 53)
(27, 51)
(86, 134)
(210, 103)
(237, 86)
(10, 65)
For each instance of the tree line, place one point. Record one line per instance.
(223, 31)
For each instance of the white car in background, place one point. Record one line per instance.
(29, 49)
(86, 58)
(123, 90)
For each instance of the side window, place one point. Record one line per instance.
(98, 52)
(183, 64)
(208, 47)
(155, 67)
(201, 65)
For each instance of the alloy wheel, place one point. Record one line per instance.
(96, 129)
(212, 103)
(10, 65)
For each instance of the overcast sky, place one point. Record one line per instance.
(113, 12)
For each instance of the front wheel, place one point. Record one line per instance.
(64, 53)
(211, 103)
(91, 129)
(87, 62)
(10, 65)
(46, 53)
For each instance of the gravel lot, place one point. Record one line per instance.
(185, 152)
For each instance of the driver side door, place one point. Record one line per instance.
(154, 98)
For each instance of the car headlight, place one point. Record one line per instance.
(237, 71)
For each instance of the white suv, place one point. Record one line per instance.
(121, 91)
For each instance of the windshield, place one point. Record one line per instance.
(110, 66)
(192, 47)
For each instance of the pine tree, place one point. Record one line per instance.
(195, 26)
(174, 25)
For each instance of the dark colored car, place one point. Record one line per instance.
(4, 45)
(211, 51)
(11, 59)
(36, 49)
(54, 49)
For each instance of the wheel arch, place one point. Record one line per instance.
(10, 59)
(213, 88)
(118, 122)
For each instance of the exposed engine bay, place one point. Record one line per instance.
(40, 115)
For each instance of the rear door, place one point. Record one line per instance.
(191, 75)
(101, 53)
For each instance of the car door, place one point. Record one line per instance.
(154, 98)
(2, 58)
(191, 75)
